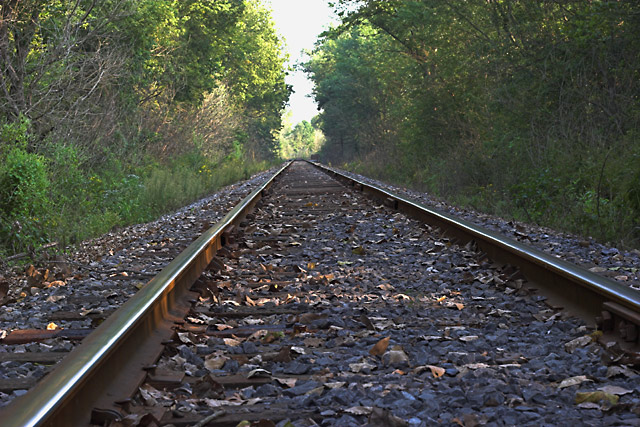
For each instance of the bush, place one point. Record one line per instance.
(24, 188)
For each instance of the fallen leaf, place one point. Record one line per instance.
(56, 284)
(196, 321)
(186, 337)
(298, 350)
(148, 399)
(432, 337)
(359, 410)
(589, 405)
(596, 396)
(259, 373)
(257, 335)
(573, 381)
(208, 388)
(52, 327)
(460, 306)
(436, 371)
(357, 367)
(358, 250)
(222, 327)
(380, 347)
(287, 382)
(614, 371)
(475, 366)
(311, 265)
(403, 297)
(578, 342)
(231, 342)
(614, 389)
(272, 336)
(335, 384)
(215, 361)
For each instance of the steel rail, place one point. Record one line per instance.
(66, 396)
(582, 292)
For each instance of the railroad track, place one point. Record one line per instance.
(321, 304)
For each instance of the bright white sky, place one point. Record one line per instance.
(300, 22)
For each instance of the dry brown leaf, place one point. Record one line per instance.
(186, 337)
(436, 371)
(215, 361)
(257, 335)
(403, 297)
(231, 342)
(56, 284)
(380, 347)
(222, 326)
(287, 382)
(460, 306)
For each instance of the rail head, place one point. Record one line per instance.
(48, 402)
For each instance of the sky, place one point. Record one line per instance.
(300, 22)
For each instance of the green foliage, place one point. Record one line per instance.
(528, 109)
(23, 188)
(302, 140)
(118, 110)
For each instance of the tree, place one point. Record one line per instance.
(56, 59)
(537, 101)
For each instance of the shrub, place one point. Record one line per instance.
(24, 188)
